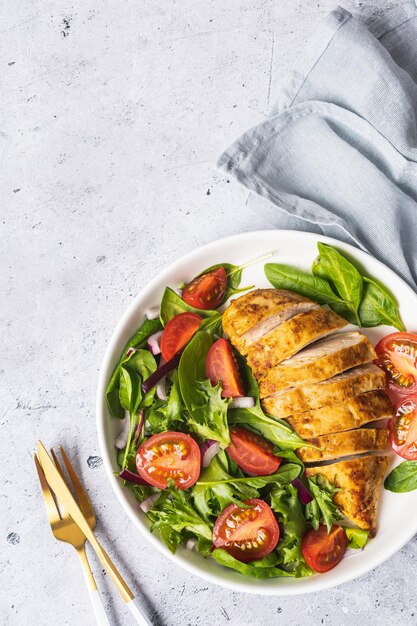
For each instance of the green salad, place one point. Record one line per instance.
(210, 469)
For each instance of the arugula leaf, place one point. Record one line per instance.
(268, 567)
(357, 537)
(283, 276)
(285, 502)
(322, 508)
(402, 478)
(378, 306)
(217, 490)
(207, 410)
(285, 474)
(172, 304)
(174, 512)
(277, 431)
(334, 267)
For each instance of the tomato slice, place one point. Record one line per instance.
(169, 455)
(403, 428)
(247, 534)
(323, 551)
(178, 332)
(206, 291)
(221, 365)
(397, 355)
(252, 453)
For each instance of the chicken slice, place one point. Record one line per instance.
(338, 389)
(360, 481)
(345, 443)
(355, 412)
(323, 359)
(258, 312)
(290, 337)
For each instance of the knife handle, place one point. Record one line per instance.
(138, 613)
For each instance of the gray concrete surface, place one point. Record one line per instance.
(113, 116)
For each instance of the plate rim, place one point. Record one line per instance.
(246, 584)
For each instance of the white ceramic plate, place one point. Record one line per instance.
(397, 521)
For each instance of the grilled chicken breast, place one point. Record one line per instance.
(338, 389)
(325, 358)
(346, 443)
(333, 418)
(360, 481)
(250, 317)
(290, 337)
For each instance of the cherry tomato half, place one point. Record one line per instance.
(323, 551)
(403, 428)
(206, 291)
(252, 453)
(221, 365)
(246, 534)
(397, 355)
(169, 455)
(178, 332)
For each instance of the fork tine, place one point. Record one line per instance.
(51, 507)
(82, 495)
(58, 466)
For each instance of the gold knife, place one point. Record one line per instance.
(65, 496)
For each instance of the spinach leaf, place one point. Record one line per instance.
(285, 502)
(403, 478)
(213, 325)
(277, 431)
(287, 277)
(322, 508)
(378, 306)
(172, 304)
(268, 567)
(285, 474)
(174, 511)
(334, 267)
(357, 537)
(216, 489)
(145, 330)
(207, 410)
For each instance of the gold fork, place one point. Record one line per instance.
(65, 529)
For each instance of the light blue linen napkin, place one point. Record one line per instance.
(338, 153)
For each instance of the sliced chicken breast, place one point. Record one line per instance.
(290, 337)
(333, 418)
(325, 358)
(347, 443)
(339, 389)
(258, 312)
(360, 481)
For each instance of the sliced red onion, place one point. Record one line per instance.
(152, 313)
(191, 544)
(161, 389)
(131, 477)
(153, 343)
(352, 551)
(243, 402)
(209, 449)
(121, 439)
(303, 493)
(160, 373)
(139, 428)
(147, 504)
(130, 351)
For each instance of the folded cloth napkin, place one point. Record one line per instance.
(339, 148)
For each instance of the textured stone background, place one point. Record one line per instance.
(113, 115)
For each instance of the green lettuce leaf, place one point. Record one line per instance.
(357, 537)
(268, 567)
(322, 508)
(206, 409)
